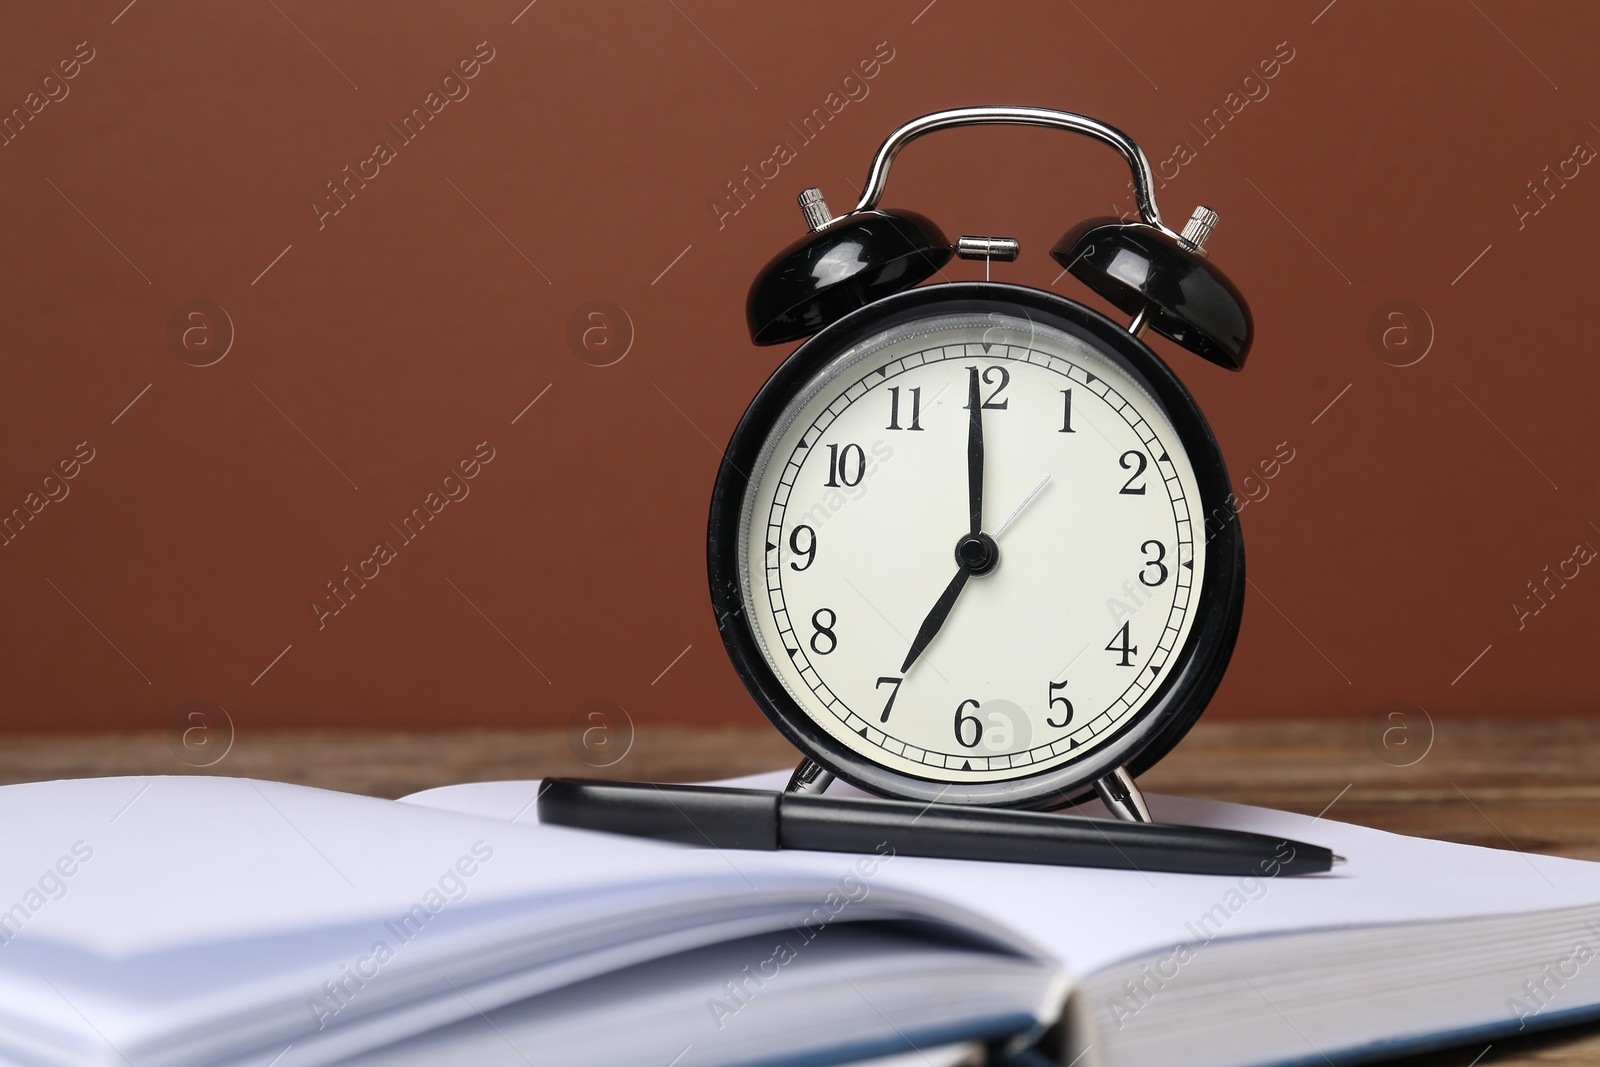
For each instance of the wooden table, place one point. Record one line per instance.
(1532, 785)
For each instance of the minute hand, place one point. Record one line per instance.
(974, 452)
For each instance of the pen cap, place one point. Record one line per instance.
(691, 815)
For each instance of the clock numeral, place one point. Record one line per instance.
(809, 551)
(825, 630)
(1161, 568)
(1127, 650)
(1066, 716)
(1135, 461)
(839, 466)
(916, 408)
(892, 694)
(961, 722)
(993, 402)
(1066, 411)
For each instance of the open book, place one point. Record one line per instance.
(170, 922)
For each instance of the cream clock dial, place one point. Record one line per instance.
(962, 645)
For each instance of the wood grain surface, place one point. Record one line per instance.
(1532, 786)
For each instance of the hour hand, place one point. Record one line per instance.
(936, 617)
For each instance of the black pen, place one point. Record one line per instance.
(716, 817)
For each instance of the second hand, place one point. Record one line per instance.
(1018, 509)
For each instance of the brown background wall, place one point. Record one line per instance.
(373, 349)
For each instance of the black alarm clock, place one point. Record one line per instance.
(972, 542)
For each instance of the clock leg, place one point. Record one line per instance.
(809, 777)
(1118, 793)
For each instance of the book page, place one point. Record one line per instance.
(1090, 918)
(191, 919)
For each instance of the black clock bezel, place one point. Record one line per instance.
(1194, 671)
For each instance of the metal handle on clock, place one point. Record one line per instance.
(1143, 178)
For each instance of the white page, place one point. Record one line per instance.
(874, 986)
(316, 858)
(213, 909)
(1091, 918)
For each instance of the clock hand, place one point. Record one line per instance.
(975, 453)
(936, 617)
(1018, 509)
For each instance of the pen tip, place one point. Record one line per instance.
(1338, 861)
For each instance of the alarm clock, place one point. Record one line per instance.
(973, 542)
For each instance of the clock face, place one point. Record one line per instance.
(966, 594)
